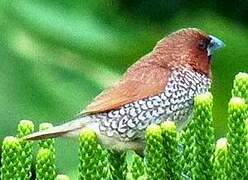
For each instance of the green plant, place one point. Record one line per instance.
(220, 160)
(118, 165)
(171, 151)
(45, 165)
(62, 177)
(94, 160)
(134, 166)
(47, 143)
(154, 153)
(45, 159)
(11, 165)
(24, 128)
(240, 86)
(237, 139)
(198, 139)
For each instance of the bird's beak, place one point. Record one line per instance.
(214, 44)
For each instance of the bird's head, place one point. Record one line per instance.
(191, 48)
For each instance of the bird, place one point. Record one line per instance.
(159, 87)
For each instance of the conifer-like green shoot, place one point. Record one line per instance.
(171, 156)
(220, 160)
(11, 155)
(94, 160)
(62, 177)
(154, 153)
(246, 129)
(240, 86)
(134, 166)
(117, 163)
(24, 128)
(45, 165)
(237, 139)
(198, 140)
(144, 177)
(47, 143)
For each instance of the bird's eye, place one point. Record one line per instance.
(203, 44)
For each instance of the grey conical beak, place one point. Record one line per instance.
(214, 44)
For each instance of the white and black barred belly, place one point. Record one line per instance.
(175, 103)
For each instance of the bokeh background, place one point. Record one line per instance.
(55, 56)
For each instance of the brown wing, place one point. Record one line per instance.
(142, 80)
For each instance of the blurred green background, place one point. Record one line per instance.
(55, 56)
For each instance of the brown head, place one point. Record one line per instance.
(191, 48)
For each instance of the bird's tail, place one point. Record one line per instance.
(62, 130)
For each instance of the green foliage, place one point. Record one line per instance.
(199, 139)
(11, 162)
(220, 160)
(94, 160)
(47, 143)
(62, 177)
(45, 165)
(246, 127)
(154, 153)
(171, 154)
(117, 161)
(24, 128)
(240, 86)
(237, 139)
(134, 166)
(45, 160)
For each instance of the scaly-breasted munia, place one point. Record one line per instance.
(159, 87)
